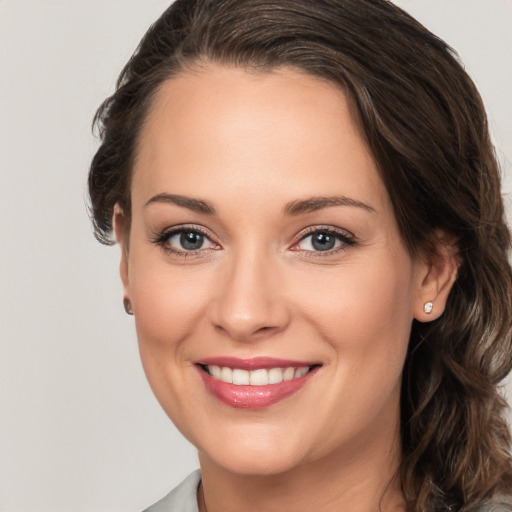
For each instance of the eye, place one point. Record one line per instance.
(188, 240)
(319, 241)
(324, 240)
(184, 241)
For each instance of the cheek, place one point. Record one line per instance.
(364, 315)
(169, 302)
(169, 305)
(364, 312)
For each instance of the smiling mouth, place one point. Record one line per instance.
(256, 377)
(254, 383)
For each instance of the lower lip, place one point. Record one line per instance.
(253, 397)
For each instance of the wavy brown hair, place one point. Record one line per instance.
(425, 124)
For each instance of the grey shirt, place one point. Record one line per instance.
(184, 499)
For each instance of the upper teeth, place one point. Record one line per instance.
(260, 377)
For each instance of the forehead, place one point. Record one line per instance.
(248, 130)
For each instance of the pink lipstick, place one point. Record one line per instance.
(254, 383)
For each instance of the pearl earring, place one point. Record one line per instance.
(428, 306)
(127, 306)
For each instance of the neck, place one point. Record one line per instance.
(360, 479)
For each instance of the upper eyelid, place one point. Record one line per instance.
(167, 232)
(326, 229)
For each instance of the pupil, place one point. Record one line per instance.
(323, 241)
(191, 241)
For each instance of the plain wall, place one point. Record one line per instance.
(79, 428)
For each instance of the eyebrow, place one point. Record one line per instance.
(312, 204)
(195, 205)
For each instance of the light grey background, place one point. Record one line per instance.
(79, 428)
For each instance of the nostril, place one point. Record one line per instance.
(246, 332)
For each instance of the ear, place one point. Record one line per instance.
(119, 224)
(437, 275)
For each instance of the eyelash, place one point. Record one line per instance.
(346, 239)
(162, 240)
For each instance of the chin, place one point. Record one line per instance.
(254, 463)
(255, 453)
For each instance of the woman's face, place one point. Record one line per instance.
(263, 247)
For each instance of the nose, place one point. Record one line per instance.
(250, 300)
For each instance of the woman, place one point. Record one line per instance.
(314, 250)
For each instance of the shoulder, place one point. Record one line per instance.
(499, 505)
(182, 498)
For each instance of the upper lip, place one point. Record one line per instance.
(254, 363)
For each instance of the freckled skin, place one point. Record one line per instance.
(248, 143)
